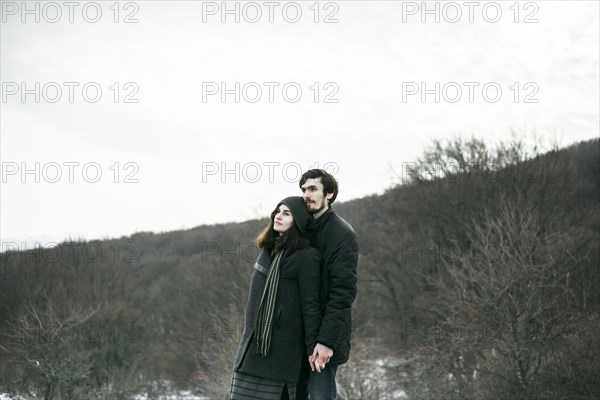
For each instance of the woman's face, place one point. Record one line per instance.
(283, 219)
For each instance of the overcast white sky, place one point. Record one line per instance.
(371, 61)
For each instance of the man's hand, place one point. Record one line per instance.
(320, 356)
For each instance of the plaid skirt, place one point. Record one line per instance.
(247, 387)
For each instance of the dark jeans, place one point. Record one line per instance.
(316, 386)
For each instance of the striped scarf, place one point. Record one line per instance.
(264, 323)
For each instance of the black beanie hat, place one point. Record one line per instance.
(298, 208)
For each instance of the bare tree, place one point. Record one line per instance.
(513, 285)
(43, 343)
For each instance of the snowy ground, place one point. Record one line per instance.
(185, 395)
(381, 375)
(376, 380)
(373, 379)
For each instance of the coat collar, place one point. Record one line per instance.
(263, 263)
(318, 224)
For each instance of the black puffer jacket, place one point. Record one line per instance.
(336, 241)
(296, 319)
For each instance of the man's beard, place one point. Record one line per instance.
(314, 210)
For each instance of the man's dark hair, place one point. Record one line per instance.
(291, 240)
(330, 185)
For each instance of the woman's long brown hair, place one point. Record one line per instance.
(290, 240)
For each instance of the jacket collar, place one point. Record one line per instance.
(318, 224)
(263, 263)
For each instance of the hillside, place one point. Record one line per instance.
(479, 280)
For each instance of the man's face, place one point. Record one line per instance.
(314, 197)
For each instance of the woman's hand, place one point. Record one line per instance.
(320, 356)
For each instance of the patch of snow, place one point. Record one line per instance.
(183, 395)
(390, 361)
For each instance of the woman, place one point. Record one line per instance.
(282, 316)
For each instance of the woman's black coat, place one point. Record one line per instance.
(296, 318)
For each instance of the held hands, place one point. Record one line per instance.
(320, 356)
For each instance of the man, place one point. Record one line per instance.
(336, 241)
